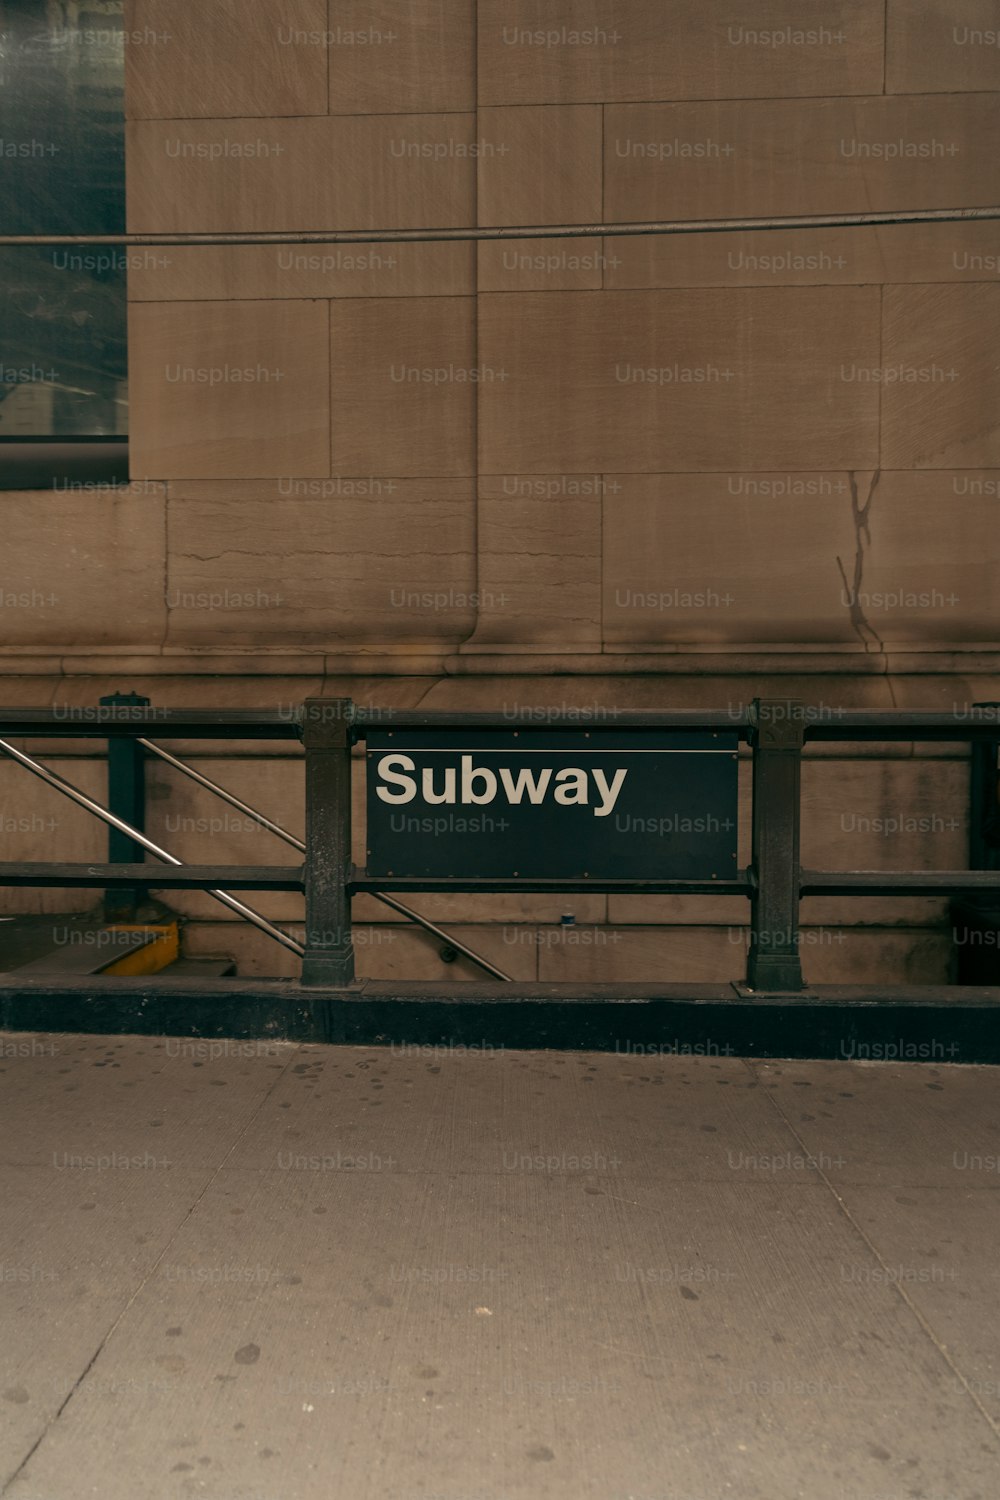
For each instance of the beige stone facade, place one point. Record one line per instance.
(606, 472)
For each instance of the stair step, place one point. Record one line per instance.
(125, 950)
(203, 968)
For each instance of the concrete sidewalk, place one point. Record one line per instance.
(263, 1271)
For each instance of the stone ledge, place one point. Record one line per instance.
(919, 1023)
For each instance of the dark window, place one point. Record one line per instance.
(62, 171)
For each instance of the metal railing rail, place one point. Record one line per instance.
(88, 721)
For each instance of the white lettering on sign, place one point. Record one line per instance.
(479, 785)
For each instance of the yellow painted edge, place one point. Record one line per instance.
(162, 949)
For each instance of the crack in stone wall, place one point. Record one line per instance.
(860, 514)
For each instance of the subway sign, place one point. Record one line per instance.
(612, 804)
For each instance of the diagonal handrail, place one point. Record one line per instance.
(289, 838)
(53, 779)
(220, 791)
(439, 932)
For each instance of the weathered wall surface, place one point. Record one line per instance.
(615, 472)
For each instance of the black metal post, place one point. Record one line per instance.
(127, 800)
(327, 737)
(984, 796)
(774, 961)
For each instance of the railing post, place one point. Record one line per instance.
(984, 804)
(326, 735)
(127, 800)
(774, 961)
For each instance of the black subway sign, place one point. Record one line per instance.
(612, 804)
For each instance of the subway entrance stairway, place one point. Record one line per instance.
(124, 967)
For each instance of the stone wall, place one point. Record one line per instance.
(607, 472)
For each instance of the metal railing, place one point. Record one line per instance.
(776, 731)
(128, 842)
